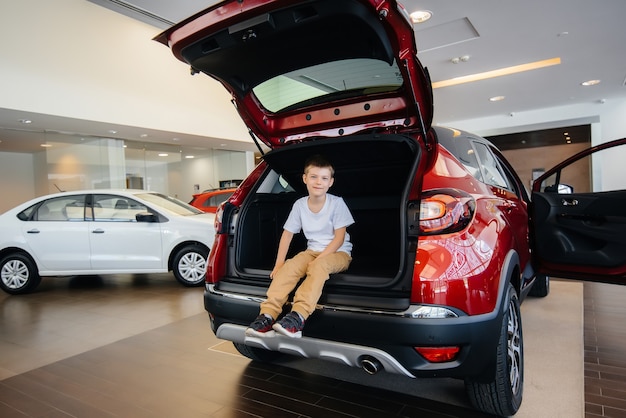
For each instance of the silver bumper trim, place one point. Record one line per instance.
(344, 353)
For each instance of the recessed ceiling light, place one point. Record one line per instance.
(46, 145)
(163, 154)
(25, 121)
(590, 82)
(421, 16)
(190, 156)
(496, 98)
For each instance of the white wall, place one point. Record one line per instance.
(76, 59)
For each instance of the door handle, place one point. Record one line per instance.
(569, 202)
(98, 231)
(32, 231)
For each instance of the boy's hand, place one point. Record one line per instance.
(276, 267)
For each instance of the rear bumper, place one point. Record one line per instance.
(350, 336)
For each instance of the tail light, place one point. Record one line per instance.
(442, 211)
(219, 216)
(222, 217)
(216, 267)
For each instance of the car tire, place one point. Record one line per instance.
(502, 395)
(258, 354)
(190, 265)
(541, 286)
(18, 274)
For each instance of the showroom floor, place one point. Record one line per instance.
(134, 346)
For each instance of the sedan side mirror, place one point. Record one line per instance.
(146, 217)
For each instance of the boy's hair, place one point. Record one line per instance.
(319, 161)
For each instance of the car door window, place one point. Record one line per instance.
(218, 199)
(467, 156)
(585, 175)
(65, 208)
(492, 172)
(515, 183)
(114, 208)
(275, 183)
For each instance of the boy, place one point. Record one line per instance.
(323, 218)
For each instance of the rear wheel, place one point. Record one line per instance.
(541, 286)
(503, 395)
(190, 265)
(258, 354)
(18, 274)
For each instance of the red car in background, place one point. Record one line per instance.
(441, 258)
(209, 200)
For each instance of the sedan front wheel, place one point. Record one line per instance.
(18, 274)
(190, 265)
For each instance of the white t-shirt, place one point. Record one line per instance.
(319, 228)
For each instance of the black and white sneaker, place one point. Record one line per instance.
(260, 327)
(290, 325)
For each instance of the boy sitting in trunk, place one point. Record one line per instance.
(323, 218)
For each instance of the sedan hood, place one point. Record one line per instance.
(310, 69)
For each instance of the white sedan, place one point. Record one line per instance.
(103, 232)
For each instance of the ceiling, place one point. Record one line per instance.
(484, 35)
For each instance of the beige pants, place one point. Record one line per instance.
(287, 277)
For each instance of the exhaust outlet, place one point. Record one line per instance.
(370, 365)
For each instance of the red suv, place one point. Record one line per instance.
(441, 257)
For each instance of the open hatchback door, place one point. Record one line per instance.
(310, 69)
(578, 229)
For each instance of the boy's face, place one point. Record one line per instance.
(318, 180)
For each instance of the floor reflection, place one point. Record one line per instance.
(69, 315)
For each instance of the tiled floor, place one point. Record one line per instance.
(133, 346)
(605, 350)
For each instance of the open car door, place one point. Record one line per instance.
(578, 216)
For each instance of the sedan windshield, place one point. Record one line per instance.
(169, 203)
(328, 81)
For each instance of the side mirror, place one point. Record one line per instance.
(146, 217)
(559, 188)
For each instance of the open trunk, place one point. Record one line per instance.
(373, 174)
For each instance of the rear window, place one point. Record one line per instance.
(328, 81)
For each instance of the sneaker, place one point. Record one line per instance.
(290, 325)
(260, 326)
